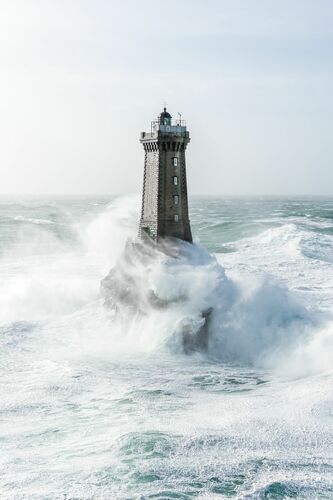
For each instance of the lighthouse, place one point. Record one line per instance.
(127, 289)
(164, 212)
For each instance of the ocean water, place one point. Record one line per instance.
(100, 405)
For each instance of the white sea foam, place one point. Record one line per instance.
(104, 405)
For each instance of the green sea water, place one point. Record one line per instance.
(94, 406)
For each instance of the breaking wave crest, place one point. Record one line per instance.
(292, 240)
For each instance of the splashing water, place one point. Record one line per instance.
(101, 402)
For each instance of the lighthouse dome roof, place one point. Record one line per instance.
(164, 116)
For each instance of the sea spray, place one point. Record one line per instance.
(253, 320)
(176, 278)
(181, 295)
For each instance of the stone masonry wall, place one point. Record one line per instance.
(158, 201)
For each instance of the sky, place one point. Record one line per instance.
(80, 79)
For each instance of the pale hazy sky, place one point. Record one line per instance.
(79, 80)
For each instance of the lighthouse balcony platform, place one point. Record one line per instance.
(165, 130)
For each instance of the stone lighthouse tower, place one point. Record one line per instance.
(164, 198)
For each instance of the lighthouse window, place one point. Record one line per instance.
(175, 180)
(175, 199)
(176, 217)
(175, 162)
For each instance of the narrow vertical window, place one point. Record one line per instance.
(175, 180)
(175, 199)
(176, 217)
(175, 162)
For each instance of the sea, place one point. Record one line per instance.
(105, 404)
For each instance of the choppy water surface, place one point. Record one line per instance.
(94, 407)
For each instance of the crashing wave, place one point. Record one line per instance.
(172, 275)
(176, 295)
